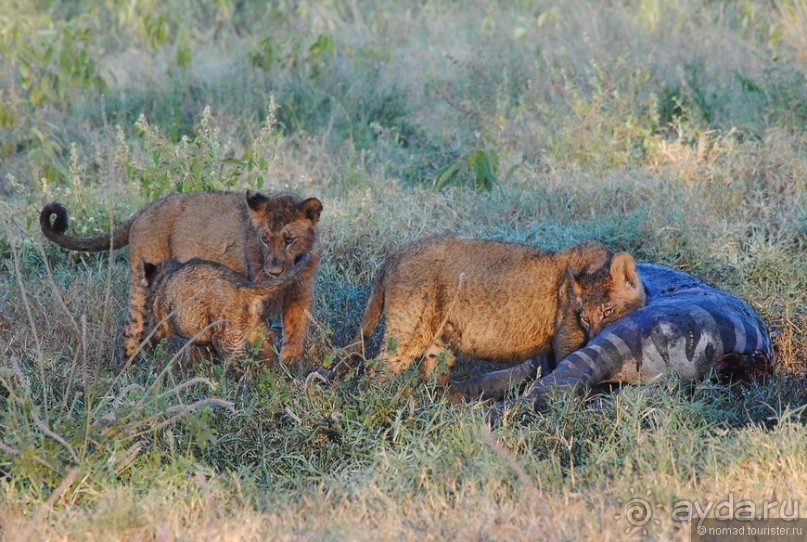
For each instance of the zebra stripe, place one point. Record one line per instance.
(703, 342)
(631, 365)
(740, 333)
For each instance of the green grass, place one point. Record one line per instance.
(673, 130)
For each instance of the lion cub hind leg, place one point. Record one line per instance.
(159, 328)
(230, 341)
(413, 321)
(402, 347)
(158, 323)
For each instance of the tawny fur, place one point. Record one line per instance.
(256, 236)
(590, 300)
(211, 304)
(499, 301)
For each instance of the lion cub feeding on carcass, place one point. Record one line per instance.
(212, 304)
(498, 301)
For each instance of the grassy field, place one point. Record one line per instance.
(674, 130)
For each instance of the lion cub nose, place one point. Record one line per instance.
(275, 270)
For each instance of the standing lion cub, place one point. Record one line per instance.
(498, 301)
(256, 236)
(212, 304)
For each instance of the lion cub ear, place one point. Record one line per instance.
(255, 200)
(310, 209)
(575, 291)
(623, 270)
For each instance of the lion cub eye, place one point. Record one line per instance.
(289, 241)
(263, 241)
(608, 312)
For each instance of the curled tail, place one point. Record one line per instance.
(118, 238)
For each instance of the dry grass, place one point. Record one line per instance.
(673, 130)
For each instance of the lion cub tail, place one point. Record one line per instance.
(118, 238)
(372, 312)
(369, 321)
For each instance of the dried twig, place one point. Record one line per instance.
(110, 417)
(49, 432)
(56, 495)
(178, 411)
(211, 401)
(186, 384)
(15, 366)
(18, 275)
(128, 456)
(55, 289)
(119, 399)
(292, 415)
(10, 450)
(508, 458)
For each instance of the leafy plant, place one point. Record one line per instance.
(191, 165)
(52, 63)
(48, 62)
(478, 170)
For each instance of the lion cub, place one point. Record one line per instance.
(499, 301)
(256, 236)
(212, 304)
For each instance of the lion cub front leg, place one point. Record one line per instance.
(261, 333)
(296, 308)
